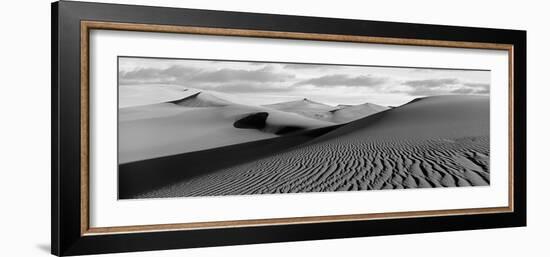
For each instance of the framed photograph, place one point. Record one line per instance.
(178, 128)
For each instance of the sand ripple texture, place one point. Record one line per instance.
(432, 142)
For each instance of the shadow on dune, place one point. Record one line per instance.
(142, 176)
(253, 121)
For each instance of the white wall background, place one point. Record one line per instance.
(25, 127)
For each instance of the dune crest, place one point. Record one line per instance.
(201, 99)
(347, 113)
(305, 107)
(339, 114)
(142, 95)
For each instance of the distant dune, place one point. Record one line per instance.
(305, 107)
(139, 95)
(339, 114)
(163, 120)
(440, 141)
(201, 100)
(198, 121)
(349, 113)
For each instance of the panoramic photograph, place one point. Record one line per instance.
(193, 127)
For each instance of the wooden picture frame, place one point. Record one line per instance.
(71, 230)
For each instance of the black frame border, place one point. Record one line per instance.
(66, 235)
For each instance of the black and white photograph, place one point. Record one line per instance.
(194, 127)
(295, 131)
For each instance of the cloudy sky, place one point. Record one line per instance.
(278, 82)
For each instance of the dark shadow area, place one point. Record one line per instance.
(253, 121)
(142, 176)
(288, 129)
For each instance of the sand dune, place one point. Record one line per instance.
(339, 114)
(438, 141)
(200, 99)
(347, 113)
(306, 108)
(197, 122)
(139, 95)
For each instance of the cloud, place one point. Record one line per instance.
(480, 88)
(463, 91)
(154, 75)
(344, 80)
(263, 75)
(444, 86)
(247, 87)
(431, 83)
(178, 74)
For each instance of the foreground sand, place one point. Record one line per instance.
(438, 141)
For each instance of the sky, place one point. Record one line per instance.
(268, 83)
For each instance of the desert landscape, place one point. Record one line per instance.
(180, 141)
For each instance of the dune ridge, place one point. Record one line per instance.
(339, 114)
(200, 99)
(347, 113)
(140, 95)
(305, 107)
(440, 141)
